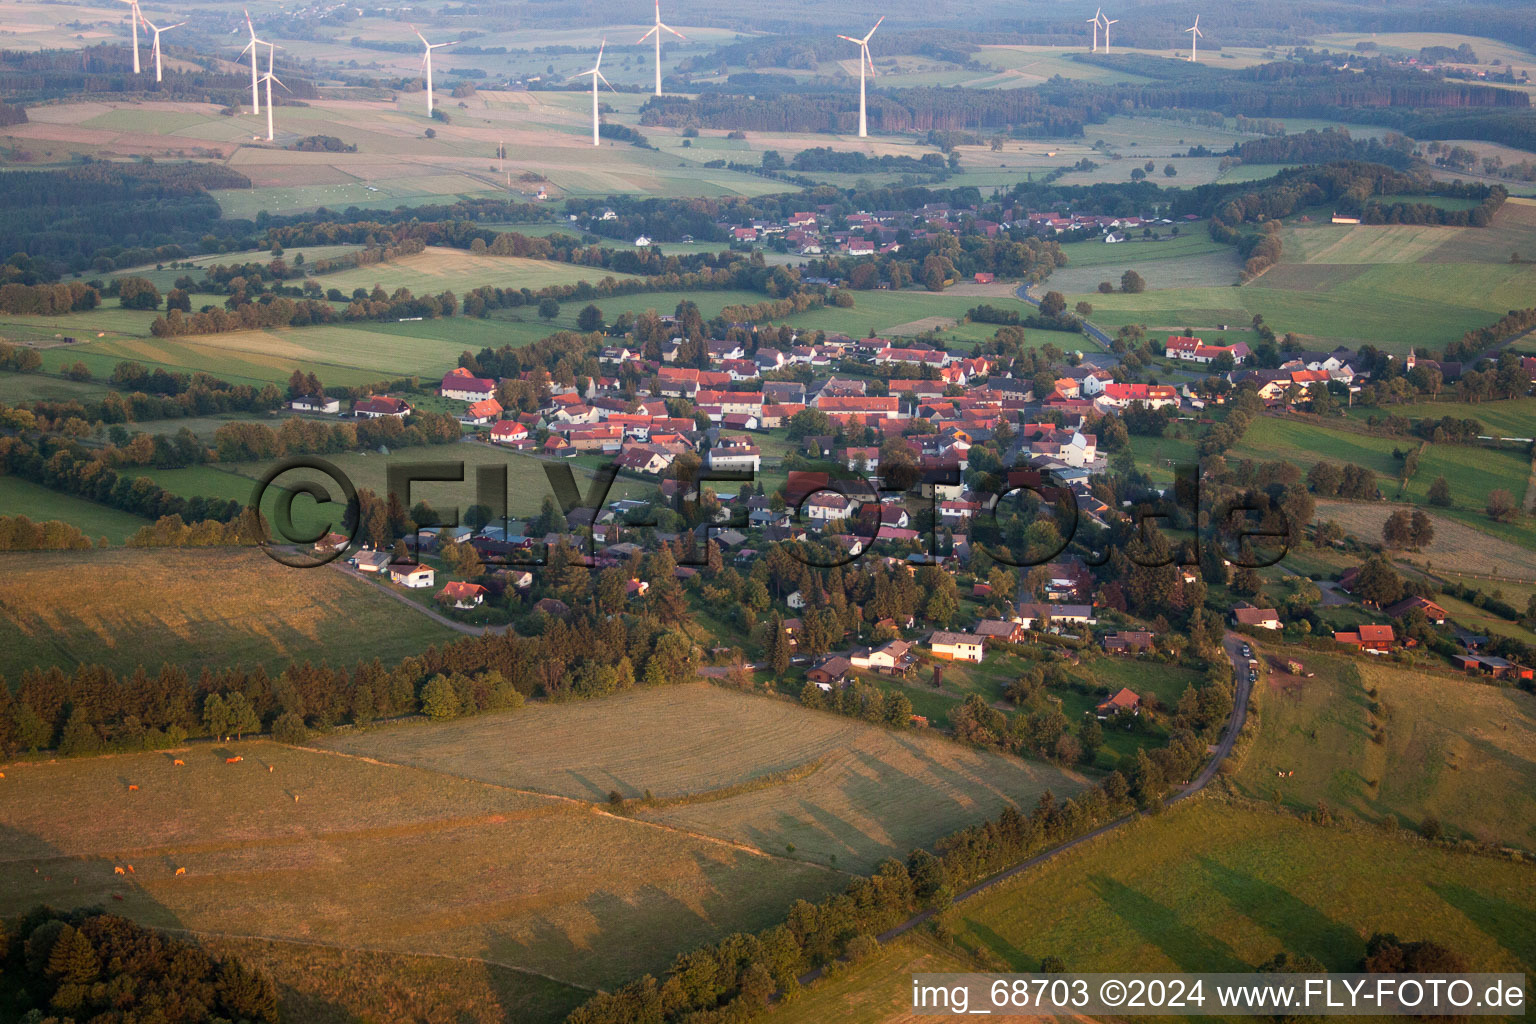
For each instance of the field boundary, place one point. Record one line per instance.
(585, 805)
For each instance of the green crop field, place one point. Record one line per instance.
(362, 856)
(1450, 747)
(1206, 886)
(1192, 240)
(16, 388)
(20, 497)
(124, 608)
(749, 770)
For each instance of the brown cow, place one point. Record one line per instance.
(271, 769)
(233, 760)
(117, 896)
(130, 869)
(180, 872)
(295, 798)
(117, 871)
(133, 789)
(179, 763)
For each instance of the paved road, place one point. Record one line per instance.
(431, 613)
(1232, 643)
(1093, 332)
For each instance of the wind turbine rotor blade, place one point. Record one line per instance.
(674, 31)
(647, 35)
(872, 31)
(605, 81)
(851, 39)
(870, 61)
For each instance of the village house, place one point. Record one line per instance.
(509, 432)
(1130, 641)
(462, 595)
(1126, 701)
(1029, 613)
(371, 561)
(956, 646)
(1492, 666)
(830, 671)
(1432, 611)
(1000, 631)
(893, 657)
(412, 575)
(1369, 638)
(480, 413)
(1246, 614)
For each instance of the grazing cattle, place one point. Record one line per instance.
(117, 896)
(118, 871)
(179, 763)
(180, 872)
(233, 760)
(295, 798)
(133, 789)
(130, 869)
(270, 768)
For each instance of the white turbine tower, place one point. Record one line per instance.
(1107, 23)
(864, 60)
(426, 62)
(597, 76)
(1094, 21)
(155, 49)
(135, 16)
(657, 30)
(269, 78)
(251, 46)
(1194, 36)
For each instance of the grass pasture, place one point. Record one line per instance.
(1456, 546)
(381, 858)
(1393, 286)
(1206, 886)
(20, 497)
(748, 770)
(1454, 749)
(123, 608)
(438, 268)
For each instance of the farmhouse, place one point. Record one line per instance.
(331, 542)
(482, 412)
(377, 406)
(1124, 701)
(1432, 611)
(509, 432)
(1493, 667)
(464, 386)
(1194, 350)
(412, 575)
(316, 403)
(462, 595)
(956, 646)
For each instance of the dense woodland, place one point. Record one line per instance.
(36, 76)
(89, 965)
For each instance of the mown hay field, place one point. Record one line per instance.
(123, 608)
(747, 769)
(1377, 740)
(343, 852)
(20, 497)
(1207, 886)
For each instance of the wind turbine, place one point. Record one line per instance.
(657, 30)
(426, 62)
(1094, 21)
(864, 59)
(156, 48)
(1107, 23)
(255, 95)
(597, 76)
(135, 16)
(1194, 35)
(269, 78)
